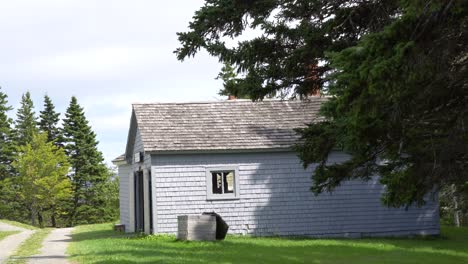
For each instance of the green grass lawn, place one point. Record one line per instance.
(29, 247)
(99, 244)
(4, 234)
(18, 224)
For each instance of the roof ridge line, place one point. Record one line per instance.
(231, 101)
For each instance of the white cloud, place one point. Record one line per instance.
(97, 62)
(107, 53)
(115, 101)
(115, 122)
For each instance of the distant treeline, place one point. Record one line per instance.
(51, 174)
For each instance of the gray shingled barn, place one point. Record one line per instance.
(235, 158)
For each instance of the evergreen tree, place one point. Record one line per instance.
(89, 174)
(6, 143)
(49, 122)
(232, 85)
(10, 207)
(395, 72)
(23, 133)
(293, 39)
(26, 121)
(399, 106)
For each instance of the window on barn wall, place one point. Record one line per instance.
(222, 183)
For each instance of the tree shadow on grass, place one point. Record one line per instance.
(100, 234)
(155, 249)
(443, 243)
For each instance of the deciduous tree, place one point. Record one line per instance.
(42, 176)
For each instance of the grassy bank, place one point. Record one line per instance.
(4, 234)
(99, 244)
(18, 224)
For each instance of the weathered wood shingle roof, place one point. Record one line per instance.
(223, 126)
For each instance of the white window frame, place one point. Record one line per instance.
(225, 196)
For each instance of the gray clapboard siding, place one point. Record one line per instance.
(129, 186)
(275, 199)
(145, 166)
(138, 147)
(124, 194)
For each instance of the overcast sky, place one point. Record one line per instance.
(108, 53)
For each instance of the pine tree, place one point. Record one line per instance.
(49, 122)
(293, 38)
(231, 84)
(89, 174)
(395, 73)
(26, 121)
(9, 204)
(6, 144)
(23, 133)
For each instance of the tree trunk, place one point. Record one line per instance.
(40, 219)
(72, 216)
(33, 216)
(53, 220)
(456, 211)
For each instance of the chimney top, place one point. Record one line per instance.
(315, 92)
(232, 97)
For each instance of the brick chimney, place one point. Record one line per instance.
(312, 80)
(232, 97)
(314, 93)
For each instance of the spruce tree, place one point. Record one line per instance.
(6, 143)
(231, 84)
(394, 71)
(49, 122)
(26, 122)
(89, 174)
(9, 205)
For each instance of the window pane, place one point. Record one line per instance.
(217, 183)
(229, 182)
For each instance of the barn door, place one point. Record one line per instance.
(139, 202)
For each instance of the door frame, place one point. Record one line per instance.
(150, 202)
(139, 201)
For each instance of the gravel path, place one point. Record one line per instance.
(9, 244)
(53, 248)
(8, 227)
